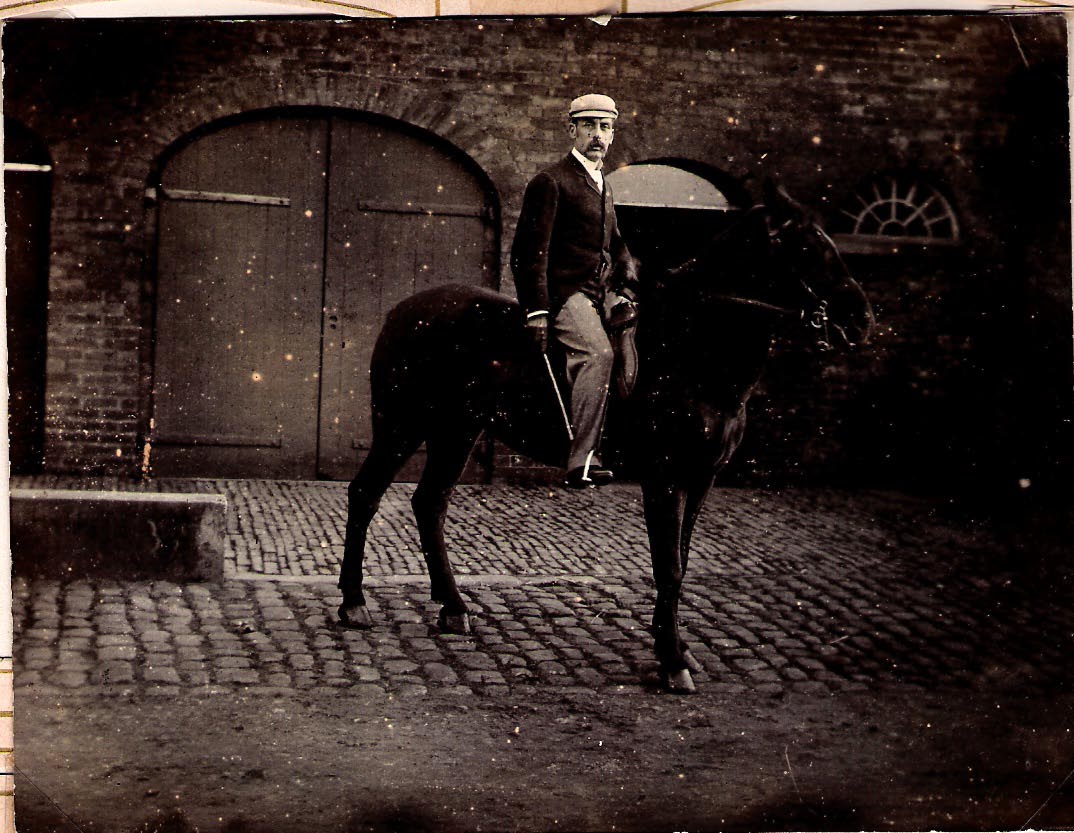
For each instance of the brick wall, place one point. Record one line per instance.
(821, 102)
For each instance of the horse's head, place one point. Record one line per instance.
(805, 274)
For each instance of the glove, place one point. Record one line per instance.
(538, 330)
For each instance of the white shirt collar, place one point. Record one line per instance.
(590, 167)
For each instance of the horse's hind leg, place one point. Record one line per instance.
(445, 461)
(389, 451)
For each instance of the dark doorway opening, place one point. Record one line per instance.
(27, 203)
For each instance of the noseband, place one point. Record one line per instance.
(813, 315)
(815, 318)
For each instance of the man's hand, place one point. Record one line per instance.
(623, 315)
(537, 326)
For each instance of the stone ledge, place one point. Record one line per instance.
(58, 533)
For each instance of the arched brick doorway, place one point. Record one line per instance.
(283, 240)
(669, 208)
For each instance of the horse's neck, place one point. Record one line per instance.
(717, 346)
(718, 353)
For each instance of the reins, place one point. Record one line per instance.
(764, 305)
(817, 319)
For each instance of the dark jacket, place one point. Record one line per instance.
(567, 240)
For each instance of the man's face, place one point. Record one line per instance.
(592, 136)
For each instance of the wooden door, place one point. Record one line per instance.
(240, 278)
(403, 216)
(283, 244)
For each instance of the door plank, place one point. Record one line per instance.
(239, 289)
(403, 216)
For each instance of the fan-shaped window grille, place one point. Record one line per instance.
(894, 209)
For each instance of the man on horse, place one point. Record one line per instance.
(575, 277)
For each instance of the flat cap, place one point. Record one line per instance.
(593, 104)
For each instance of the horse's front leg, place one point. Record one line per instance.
(722, 435)
(664, 507)
(446, 458)
(696, 493)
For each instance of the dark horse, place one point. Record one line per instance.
(454, 361)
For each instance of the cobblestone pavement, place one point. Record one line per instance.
(805, 591)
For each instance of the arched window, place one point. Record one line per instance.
(891, 211)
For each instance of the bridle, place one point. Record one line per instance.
(814, 315)
(815, 318)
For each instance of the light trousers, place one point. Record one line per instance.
(580, 329)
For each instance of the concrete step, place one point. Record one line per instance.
(60, 533)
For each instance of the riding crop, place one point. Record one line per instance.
(559, 398)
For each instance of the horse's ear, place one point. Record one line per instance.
(781, 205)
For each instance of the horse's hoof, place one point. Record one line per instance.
(356, 617)
(454, 622)
(692, 665)
(678, 682)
